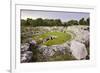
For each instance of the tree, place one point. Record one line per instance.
(88, 21)
(39, 21)
(72, 22)
(46, 22)
(82, 21)
(58, 22)
(29, 22)
(23, 22)
(34, 23)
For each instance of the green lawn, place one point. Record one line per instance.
(61, 37)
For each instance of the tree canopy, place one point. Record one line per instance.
(53, 22)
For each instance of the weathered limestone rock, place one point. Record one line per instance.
(81, 33)
(24, 47)
(26, 56)
(51, 50)
(78, 50)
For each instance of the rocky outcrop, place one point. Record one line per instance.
(51, 50)
(80, 43)
(81, 33)
(26, 55)
(78, 50)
